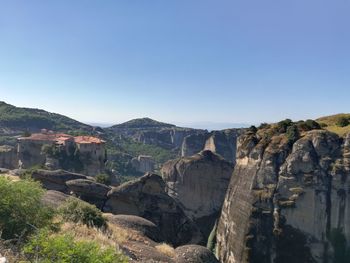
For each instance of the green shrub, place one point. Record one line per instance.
(103, 179)
(312, 125)
(292, 133)
(79, 211)
(253, 129)
(62, 248)
(282, 126)
(212, 238)
(264, 125)
(21, 210)
(342, 122)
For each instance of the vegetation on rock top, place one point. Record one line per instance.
(338, 123)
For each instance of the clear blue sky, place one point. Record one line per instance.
(181, 61)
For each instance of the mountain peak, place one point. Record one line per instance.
(143, 123)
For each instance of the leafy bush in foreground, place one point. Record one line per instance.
(62, 248)
(78, 211)
(21, 211)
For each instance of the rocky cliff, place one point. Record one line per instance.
(146, 197)
(221, 142)
(288, 199)
(199, 183)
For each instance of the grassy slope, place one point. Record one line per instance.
(331, 121)
(26, 118)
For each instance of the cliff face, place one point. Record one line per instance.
(287, 202)
(220, 142)
(199, 183)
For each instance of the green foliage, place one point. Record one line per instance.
(312, 125)
(21, 211)
(342, 122)
(62, 248)
(25, 118)
(292, 133)
(71, 160)
(212, 238)
(282, 126)
(79, 211)
(339, 243)
(8, 140)
(264, 125)
(253, 129)
(159, 154)
(26, 133)
(308, 125)
(143, 123)
(103, 179)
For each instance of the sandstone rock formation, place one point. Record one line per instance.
(221, 142)
(287, 201)
(89, 191)
(144, 226)
(8, 157)
(194, 254)
(146, 197)
(193, 144)
(56, 180)
(143, 163)
(199, 183)
(54, 198)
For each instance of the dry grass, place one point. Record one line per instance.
(11, 177)
(83, 233)
(331, 121)
(166, 250)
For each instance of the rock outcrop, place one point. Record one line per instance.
(221, 142)
(194, 254)
(193, 144)
(56, 180)
(89, 191)
(54, 198)
(146, 197)
(8, 157)
(143, 163)
(143, 226)
(288, 199)
(199, 183)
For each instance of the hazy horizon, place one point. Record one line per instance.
(222, 62)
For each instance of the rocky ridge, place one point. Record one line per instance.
(287, 199)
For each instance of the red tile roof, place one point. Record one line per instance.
(60, 138)
(87, 139)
